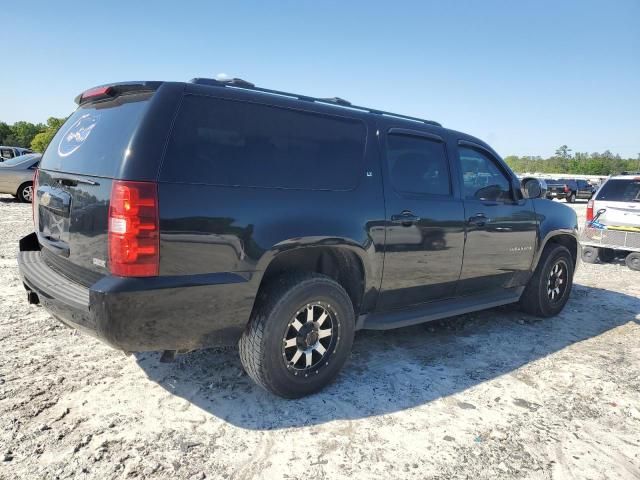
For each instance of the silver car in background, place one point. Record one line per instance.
(16, 176)
(11, 152)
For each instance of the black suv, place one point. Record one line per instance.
(177, 216)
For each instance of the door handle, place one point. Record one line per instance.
(479, 220)
(406, 218)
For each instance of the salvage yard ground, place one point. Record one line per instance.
(495, 394)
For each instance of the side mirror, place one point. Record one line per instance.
(534, 187)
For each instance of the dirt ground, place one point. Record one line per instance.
(495, 394)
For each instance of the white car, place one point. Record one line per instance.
(613, 221)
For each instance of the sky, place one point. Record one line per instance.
(526, 77)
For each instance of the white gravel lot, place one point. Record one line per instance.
(495, 394)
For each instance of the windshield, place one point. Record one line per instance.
(620, 190)
(11, 162)
(95, 139)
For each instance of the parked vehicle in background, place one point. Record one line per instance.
(569, 189)
(175, 216)
(16, 176)
(613, 222)
(12, 152)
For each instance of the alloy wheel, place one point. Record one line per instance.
(557, 281)
(27, 193)
(310, 338)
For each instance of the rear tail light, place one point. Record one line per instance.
(36, 174)
(134, 241)
(589, 210)
(566, 189)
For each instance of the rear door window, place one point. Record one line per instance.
(418, 165)
(620, 190)
(233, 143)
(94, 140)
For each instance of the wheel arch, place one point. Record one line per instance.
(564, 237)
(345, 264)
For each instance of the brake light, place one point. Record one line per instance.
(96, 92)
(134, 241)
(589, 210)
(36, 174)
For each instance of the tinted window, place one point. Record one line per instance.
(417, 165)
(224, 142)
(94, 140)
(620, 190)
(482, 178)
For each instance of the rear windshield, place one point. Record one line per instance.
(232, 143)
(621, 190)
(94, 140)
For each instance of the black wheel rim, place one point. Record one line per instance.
(310, 339)
(557, 281)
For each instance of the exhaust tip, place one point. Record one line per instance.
(32, 298)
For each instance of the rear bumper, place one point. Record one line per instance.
(551, 195)
(143, 314)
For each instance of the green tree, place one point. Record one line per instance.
(23, 132)
(563, 152)
(42, 139)
(5, 132)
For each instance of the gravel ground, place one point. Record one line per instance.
(495, 394)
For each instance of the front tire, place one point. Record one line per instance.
(299, 336)
(549, 288)
(25, 192)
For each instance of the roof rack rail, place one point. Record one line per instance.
(243, 84)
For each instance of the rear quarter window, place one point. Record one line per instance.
(233, 143)
(620, 190)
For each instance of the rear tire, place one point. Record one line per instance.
(633, 261)
(289, 351)
(25, 192)
(589, 254)
(549, 288)
(606, 255)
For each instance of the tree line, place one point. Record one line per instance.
(37, 136)
(565, 161)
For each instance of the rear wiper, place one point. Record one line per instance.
(73, 182)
